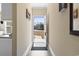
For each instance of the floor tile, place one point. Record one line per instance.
(39, 53)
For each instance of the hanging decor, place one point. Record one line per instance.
(27, 14)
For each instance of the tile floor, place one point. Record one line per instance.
(39, 53)
(39, 42)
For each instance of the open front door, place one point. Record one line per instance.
(39, 33)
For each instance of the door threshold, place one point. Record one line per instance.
(39, 48)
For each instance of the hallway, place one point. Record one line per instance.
(39, 53)
(18, 36)
(60, 41)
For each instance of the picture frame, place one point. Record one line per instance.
(72, 19)
(62, 6)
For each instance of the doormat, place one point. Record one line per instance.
(39, 48)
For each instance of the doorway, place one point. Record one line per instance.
(39, 41)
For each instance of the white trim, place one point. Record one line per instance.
(51, 51)
(27, 50)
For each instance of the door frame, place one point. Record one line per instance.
(14, 29)
(47, 30)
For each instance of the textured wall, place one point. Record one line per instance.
(60, 40)
(24, 28)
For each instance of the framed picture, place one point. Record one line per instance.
(62, 6)
(75, 13)
(74, 19)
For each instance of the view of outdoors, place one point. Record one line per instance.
(39, 34)
(38, 23)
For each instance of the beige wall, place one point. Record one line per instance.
(39, 11)
(24, 33)
(60, 40)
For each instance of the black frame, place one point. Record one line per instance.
(62, 5)
(73, 32)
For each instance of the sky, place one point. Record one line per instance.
(38, 19)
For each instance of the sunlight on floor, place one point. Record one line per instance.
(39, 42)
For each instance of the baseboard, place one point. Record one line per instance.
(27, 50)
(51, 51)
